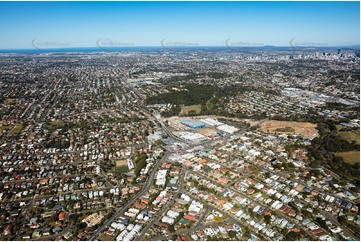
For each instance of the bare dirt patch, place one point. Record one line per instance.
(250, 121)
(206, 131)
(192, 109)
(305, 129)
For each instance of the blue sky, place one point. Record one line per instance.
(84, 24)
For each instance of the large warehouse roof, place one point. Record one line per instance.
(193, 123)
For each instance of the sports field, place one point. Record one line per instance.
(350, 157)
(350, 136)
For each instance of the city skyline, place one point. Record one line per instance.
(42, 25)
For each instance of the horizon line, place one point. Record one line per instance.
(184, 46)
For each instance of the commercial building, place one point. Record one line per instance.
(192, 123)
(161, 178)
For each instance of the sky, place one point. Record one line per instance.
(115, 24)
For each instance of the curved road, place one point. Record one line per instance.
(144, 189)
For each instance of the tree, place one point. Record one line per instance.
(247, 234)
(342, 220)
(292, 236)
(322, 223)
(292, 175)
(232, 234)
(171, 229)
(306, 213)
(267, 218)
(140, 162)
(81, 226)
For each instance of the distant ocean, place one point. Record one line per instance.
(162, 49)
(97, 49)
(76, 49)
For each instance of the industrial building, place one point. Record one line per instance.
(211, 122)
(192, 123)
(227, 128)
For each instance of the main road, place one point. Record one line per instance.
(144, 189)
(251, 199)
(155, 219)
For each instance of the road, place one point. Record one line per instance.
(39, 197)
(285, 175)
(202, 218)
(25, 217)
(325, 214)
(230, 216)
(154, 220)
(190, 230)
(53, 237)
(181, 187)
(254, 201)
(335, 222)
(148, 184)
(144, 189)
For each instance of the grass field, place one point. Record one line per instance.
(17, 130)
(193, 109)
(57, 123)
(120, 163)
(9, 101)
(350, 136)
(121, 166)
(350, 157)
(4, 127)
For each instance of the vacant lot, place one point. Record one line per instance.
(206, 131)
(105, 237)
(285, 129)
(192, 109)
(251, 121)
(305, 129)
(350, 157)
(350, 136)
